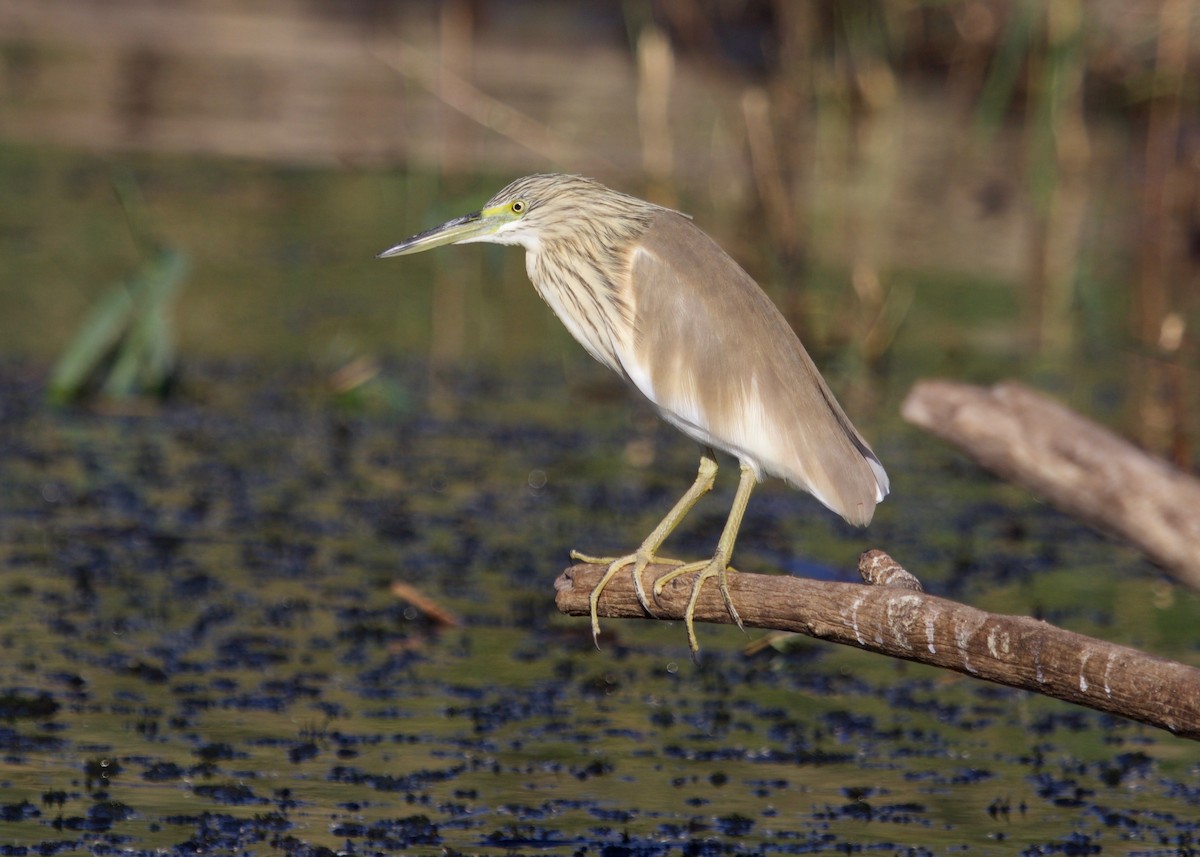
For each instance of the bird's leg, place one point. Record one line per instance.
(718, 566)
(648, 551)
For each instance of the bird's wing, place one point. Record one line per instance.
(717, 358)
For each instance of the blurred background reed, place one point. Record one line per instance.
(917, 183)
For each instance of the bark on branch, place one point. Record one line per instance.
(899, 620)
(1080, 467)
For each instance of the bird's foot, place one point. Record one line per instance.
(639, 560)
(717, 567)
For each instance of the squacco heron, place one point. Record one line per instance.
(654, 299)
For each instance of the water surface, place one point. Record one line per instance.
(203, 652)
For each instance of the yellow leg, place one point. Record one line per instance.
(718, 566)
(648, 551)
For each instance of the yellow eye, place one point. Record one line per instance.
(518, 206)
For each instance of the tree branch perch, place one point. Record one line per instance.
(901, 621)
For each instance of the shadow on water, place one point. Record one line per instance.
(203, 654)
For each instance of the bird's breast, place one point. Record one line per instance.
(577, 297)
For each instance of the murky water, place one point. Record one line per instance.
(203, 654)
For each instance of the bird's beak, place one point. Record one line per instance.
(477, 226)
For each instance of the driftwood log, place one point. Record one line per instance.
(1078, 466)
(893, 617)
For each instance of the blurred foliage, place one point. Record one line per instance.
(1046, 148)
(126, 346)
(1096, 104)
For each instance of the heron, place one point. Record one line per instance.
(652, 297)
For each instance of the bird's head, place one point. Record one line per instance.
(529, 212)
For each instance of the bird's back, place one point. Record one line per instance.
(720, 362)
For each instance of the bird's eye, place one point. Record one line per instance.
(518, 206)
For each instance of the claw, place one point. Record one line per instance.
(639, 588)
(614, 565)
(715, 567)
(588, 558)
(723, 585)
(639, 561)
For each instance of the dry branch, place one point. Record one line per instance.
(1080, 467)
(905, 623)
